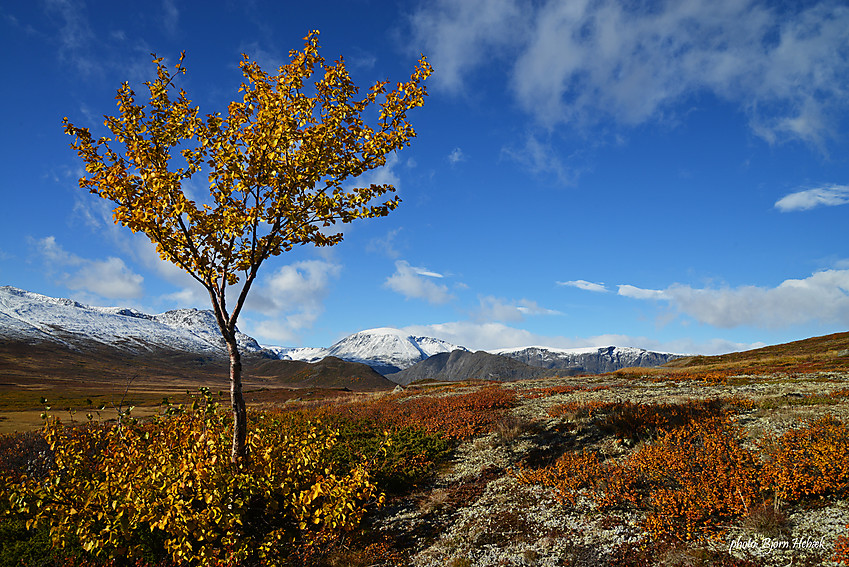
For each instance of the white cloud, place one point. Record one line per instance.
(542, 159)
(414, 282)
(497, 309)
(109, 278)
(826, 196)
(583, 61)
(456, 156)
(459, 36)
(640, 293)
(386, 244)
(291, 299)
(475, 336)
(822, 297)
(495, 335)
(585, 285)
(384, 175)
(425, 272)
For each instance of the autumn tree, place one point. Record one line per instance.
(281, 166)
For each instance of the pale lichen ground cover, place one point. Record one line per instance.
(476, 513)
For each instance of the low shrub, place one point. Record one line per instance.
(167, 488)
(807, 461)
(453, 416)
(841, 548)
(398, 457)
(697, 477)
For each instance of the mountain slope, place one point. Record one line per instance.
(385, 349)
(60, 341)
(34, 318)
(329, 372)
(593, 360)
(461, 365)
(827, 353)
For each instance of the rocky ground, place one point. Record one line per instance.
(476, 512)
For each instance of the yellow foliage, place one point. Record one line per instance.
(275, 163)
(172, 479)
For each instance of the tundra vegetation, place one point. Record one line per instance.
(700, 464)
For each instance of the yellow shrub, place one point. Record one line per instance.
(117, 489)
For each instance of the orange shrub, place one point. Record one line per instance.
(841, 548)
(692, 479)
(534, 393)
(697, 477)
(638, 421)
(812, 460)
(570, 473)
(578, 409)
(457, 416)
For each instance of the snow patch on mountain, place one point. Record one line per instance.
(588, 359)
(385, 349)
(29, 316)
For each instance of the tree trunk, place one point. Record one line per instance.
(237, 400)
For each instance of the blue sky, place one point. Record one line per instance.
(667, 175)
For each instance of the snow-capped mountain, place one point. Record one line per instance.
(591, 360)
(33, 317)
(384, 349)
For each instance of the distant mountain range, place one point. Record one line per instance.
(31, 318)
(589, 360)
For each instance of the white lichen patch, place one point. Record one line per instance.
(476, 513)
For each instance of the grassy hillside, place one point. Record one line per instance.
(829, 353)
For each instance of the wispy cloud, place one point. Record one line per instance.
(170, 16)
(627, 290)
(385, 244)
(825, 196)
(494, 335)
(823, 297)
(497, 309)
(74, 35)
(585, 285)
(269, 59)
(417, 283)
(456, 156)
(583, 62)
(109, 278)
(542, 159)
(384, 175)
(459, 36)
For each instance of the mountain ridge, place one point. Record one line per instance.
(31, 317)
(587, 360)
